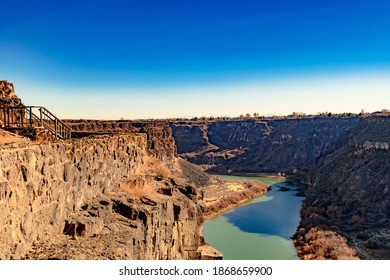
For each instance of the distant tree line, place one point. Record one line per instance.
(293, 115)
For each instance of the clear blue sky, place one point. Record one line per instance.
(154, 59)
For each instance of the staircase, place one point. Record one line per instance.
(32, 120)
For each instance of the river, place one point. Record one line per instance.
(260, 229)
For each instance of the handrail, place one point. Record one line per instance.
(33, 116)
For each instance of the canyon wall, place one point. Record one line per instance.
(348, 192)
(43, 183)
(164, 224)
(58, 198)
(159, 138)
(261, 146)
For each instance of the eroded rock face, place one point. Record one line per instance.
(160, 142)
(8, 95)
(255, 146)
(349, 191)
(41, 184)
(118, 225)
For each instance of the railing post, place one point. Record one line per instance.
(40, 117)
(56, 129)
(30, 116)
(21, 117)
(3, 114)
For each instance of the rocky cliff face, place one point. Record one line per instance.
(348, 191)
(41, 184)
(269, 146)
(159, 135)
(102, 197)
(165, 224)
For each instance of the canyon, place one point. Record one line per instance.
(342, 160)
(137, 189)
(261, 146)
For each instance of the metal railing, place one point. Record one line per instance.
(15, 117)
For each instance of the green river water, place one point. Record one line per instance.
(260, 229)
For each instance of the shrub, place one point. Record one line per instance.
(154, 166)
(138, 187)
(320, 244)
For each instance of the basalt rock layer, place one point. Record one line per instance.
(159, 135)
(117, 225)
(42, 183)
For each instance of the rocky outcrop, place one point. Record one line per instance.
(8, 95)
(348, 192)
(261, 146)
(368, 145)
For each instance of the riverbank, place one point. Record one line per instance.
(279, 176)
(223, 194)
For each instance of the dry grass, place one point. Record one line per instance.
(138, 187)
(144, 184)
(155, 167)
(227, 194)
